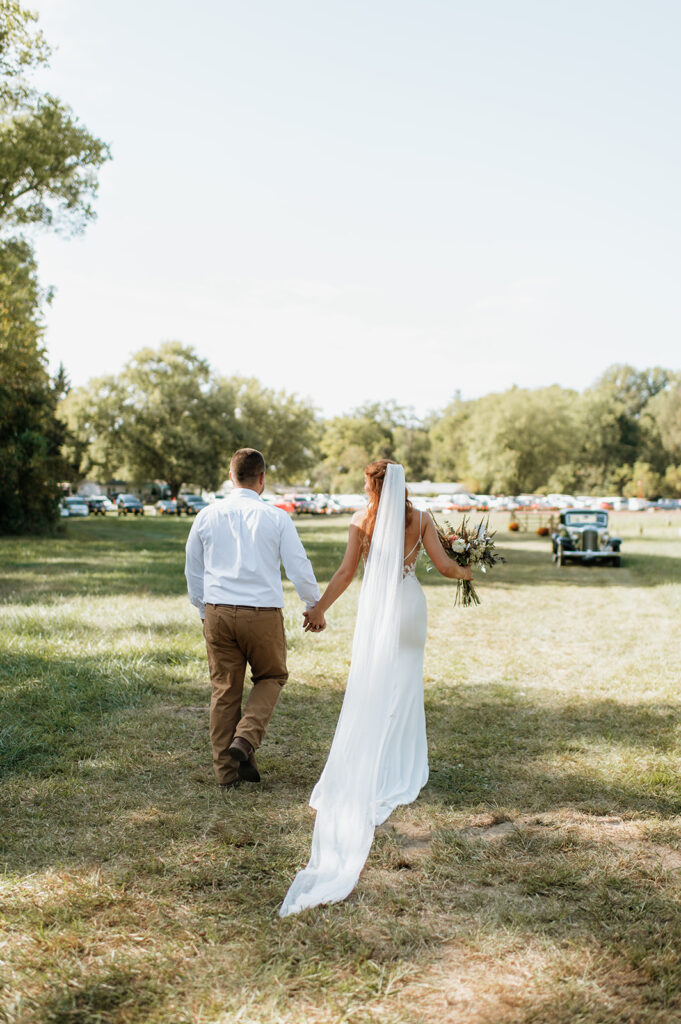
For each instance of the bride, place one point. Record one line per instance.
(378, 758)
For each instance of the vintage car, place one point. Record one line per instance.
(582, 536)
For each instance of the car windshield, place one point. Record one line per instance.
(586, 519)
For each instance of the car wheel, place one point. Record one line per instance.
(616, 562)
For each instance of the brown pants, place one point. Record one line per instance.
(236, 636)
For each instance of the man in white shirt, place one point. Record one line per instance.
(234, 551)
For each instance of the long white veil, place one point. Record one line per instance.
(345, 796)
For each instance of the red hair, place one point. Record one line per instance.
(375, 474)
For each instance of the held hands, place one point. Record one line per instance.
(313, 620)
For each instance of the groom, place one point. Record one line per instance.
(234, 551)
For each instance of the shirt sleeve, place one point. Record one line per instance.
(193, 568)
(297, 565)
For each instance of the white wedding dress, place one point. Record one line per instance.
(379, 756)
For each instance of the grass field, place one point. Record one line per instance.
(536, 879)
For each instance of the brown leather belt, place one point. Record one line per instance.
(245, 607)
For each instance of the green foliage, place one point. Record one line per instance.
(48, 166)
(30, 433)
(48, 160)
(644, 482)
(350, 442)
(282, 426)
(372, 431)
(515, 440)
(163, 417)
(167, 416)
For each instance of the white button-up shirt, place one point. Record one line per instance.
(234, 551)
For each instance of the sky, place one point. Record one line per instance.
(373, 200)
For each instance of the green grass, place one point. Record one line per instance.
(536, 879)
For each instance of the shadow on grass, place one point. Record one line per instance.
(49, 706)
(103, 558)
(488, 749)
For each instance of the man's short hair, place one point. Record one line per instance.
(247, 464)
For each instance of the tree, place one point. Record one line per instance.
(167, 416)
(615, 407)
(48, 160)
(644, 483)
(164, 417)
(48, 177)
(30, 433)
(515, 440)
(664, 410)
(448, 455)
(350, 442)
(412, 449)
(283, 427)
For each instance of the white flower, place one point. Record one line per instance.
(458, 546)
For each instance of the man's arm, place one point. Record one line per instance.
(297, 565)
(193, 568)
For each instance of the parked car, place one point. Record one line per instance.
(129, 504)
(74, 507)
(301, 502)
(665, 505)
(166, 507)
(283, 503)
(582, 536)
(99, 504)
(190, 504)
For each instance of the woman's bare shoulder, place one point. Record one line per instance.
(358, 519)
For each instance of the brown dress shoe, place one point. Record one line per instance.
(239, 750)
(248, 770)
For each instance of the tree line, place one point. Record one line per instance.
(169, 416)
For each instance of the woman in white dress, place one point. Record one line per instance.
(379, 756)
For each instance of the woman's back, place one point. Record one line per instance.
(413, 532)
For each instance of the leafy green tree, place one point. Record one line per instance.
(516, 439)
(615, 407)
(48, 160)
(163, 417)
(48, 177)
(671, 484)
(282, 426)
(412, 448)
(350, 442)
(31, 435)
(448, 452)
(644, 483)
(664, 412)
(167, 416)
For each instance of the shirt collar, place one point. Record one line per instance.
(245, 492)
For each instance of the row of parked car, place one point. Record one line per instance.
(338, 504)
(129, 505)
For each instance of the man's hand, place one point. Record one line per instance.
(313, 620)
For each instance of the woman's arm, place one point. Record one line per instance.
(442, 562)
(341, 579)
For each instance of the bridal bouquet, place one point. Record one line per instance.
(472, 546)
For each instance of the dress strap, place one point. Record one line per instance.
(408, 556)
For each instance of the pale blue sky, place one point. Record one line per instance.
(374, 200)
